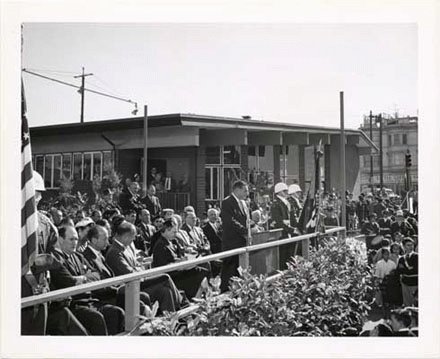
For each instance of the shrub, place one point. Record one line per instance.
(324, 296)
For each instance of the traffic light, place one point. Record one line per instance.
(408, 159)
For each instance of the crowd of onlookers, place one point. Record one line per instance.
(132, 233)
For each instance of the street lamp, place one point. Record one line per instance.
(379, 123)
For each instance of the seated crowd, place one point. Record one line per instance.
(111, 240)
(133, 234)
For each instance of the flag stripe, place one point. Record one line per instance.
(28, 210)
(29, 220)
(30, 227)
(26, 192)
(31, 248)
(26, 174)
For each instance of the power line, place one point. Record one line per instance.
(79, 87)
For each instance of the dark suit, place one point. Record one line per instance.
(122, 260)
(281, 219)
(235, 234)
(129, 201)
(152, 204)
(215, 241)
(97, 262)
(105, 318)
(214, 237)
(404, 227)
(143, 239)
(189, 280)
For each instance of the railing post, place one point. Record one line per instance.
(132, 290)
(244, 260)
(305, 243)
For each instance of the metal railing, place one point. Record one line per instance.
(132, 280)
(176, 200)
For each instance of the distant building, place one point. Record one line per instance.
(196, 157)
(399, 135)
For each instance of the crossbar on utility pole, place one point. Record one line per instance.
(81, 91)
(342, 160)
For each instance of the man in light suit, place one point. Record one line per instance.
(236, 231)
(213, 232)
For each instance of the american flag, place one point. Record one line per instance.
(28, 208)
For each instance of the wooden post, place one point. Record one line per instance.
(132, 290)
(342, 161)
(145, 166)
(244, 260)
(305, 248)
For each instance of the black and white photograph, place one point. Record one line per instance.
(217, 179)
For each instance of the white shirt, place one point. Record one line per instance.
(384, 268)
(97, 253)
(241, 204)
(214, 226)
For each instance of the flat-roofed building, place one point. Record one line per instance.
(199, 157)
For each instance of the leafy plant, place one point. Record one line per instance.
(111, 179)
(324, 296)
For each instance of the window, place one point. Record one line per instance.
(97, 165)
(107, 163)
(211, 180)
(56, 171)
(398, 159)
(404, 139)
(54, 167)
(231, 155)
(77, 166)
(390, 140)
(87, 166)
(48, 165)
(230, 175)
(397, 139)
(67, 165)
(39, 165)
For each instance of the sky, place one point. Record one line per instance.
(272, 72)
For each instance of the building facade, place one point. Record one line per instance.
(198, 157)
(398, 136)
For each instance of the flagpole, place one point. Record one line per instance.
(342, 160)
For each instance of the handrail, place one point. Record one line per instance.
(154, 272)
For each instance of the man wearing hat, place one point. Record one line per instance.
(371, 230)
(82, 227)
(385, 222)
(281, 211)
(401, 225)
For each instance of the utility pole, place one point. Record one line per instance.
(371, 156)
(81, 91)
(380, 121)
(342, 159)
